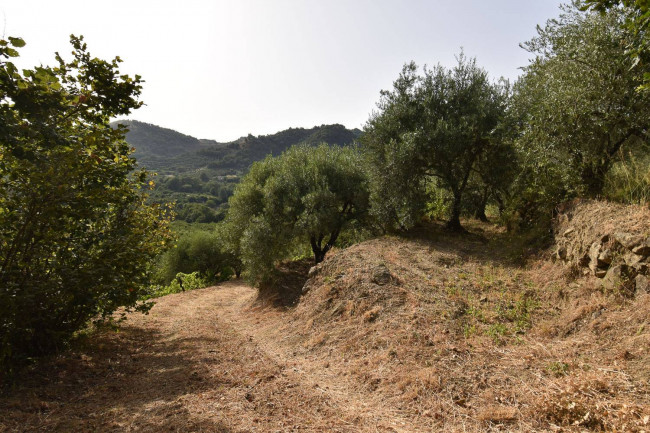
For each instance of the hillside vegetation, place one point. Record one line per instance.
(199, 175)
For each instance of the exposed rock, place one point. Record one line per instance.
(307, 287)
(643, 249)
(381, 275)
(642, 268)
(594, 252)
(313, 270)
(605, 258)
(600, 273)
(599, 236)
(619, 277)
(627, 240)
(642, 284)
(632, 259)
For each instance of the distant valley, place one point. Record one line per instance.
(199, 175)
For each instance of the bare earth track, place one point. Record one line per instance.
(194, 364)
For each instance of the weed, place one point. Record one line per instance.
(453, 290)
(518, 313)
(558, 368)
(469, 330)
(497, 332)
(476, 313)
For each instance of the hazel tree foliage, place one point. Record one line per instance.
(76, 235)
(438, 124)
(305, 197)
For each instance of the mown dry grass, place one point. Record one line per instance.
(433, 332)
(462, 339)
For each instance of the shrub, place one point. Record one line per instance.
(181, 283)
(195, 251)
(77, 234)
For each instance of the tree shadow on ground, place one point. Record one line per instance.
(133, 380)
(285, 289)
(481, 241)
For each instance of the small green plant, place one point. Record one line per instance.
(453, 290)
(518, 313)
(469, 330)
(476, 313)
(497, 332)
(558, 368)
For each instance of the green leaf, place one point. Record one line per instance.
(17, 42)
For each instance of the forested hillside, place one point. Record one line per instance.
(199, 175)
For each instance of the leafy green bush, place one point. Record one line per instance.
(181, 283)
(77, 233)
(196, 251)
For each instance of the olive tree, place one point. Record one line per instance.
(76, 234)
(304, 197)
(438, 124)
(578, 100)
(638, 23)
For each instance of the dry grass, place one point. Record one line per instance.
(436, 332)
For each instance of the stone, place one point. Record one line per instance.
(642, 284)
(605, 258)
(313, 271)
(600, 273)
(381, 275)
(642, 268)
(628, 240)
(618, 277)
(642, 249)
(632, 259)
(594, 252)
(561, 253)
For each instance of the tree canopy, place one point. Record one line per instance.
(435, 125)
(638, 23)
(76, 235)
(578, 101)
(304, 197)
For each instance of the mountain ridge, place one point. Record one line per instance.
(199, 175)
(165, 150)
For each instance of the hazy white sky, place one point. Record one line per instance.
(221, 69)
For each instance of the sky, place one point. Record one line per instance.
(222, 69)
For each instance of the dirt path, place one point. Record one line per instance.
(201, 361)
